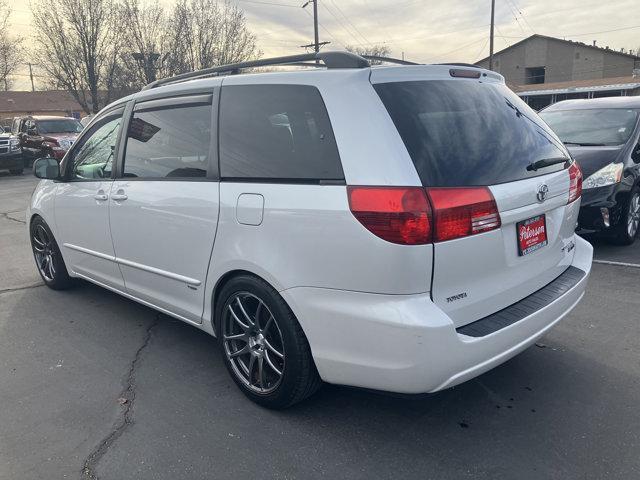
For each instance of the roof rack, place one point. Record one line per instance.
(458, 64)
(377, 58)
(330, 60)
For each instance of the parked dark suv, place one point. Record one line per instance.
(603, 135)
(46, 136)
(10, 155)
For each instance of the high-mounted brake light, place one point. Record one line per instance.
(397, 214)
(575, 182)
(464, 73)
(460, 212)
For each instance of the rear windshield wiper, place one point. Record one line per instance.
(546, 162)
(585, 144)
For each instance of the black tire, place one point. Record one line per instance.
(622, 234)
(43, 244)
(298, 378)
(16, 171)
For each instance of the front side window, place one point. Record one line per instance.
(278, 132)
(172, 142)
(93, 157)
(597, 127)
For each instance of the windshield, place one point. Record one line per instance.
(465, 133)
(68, 125)
(600, 127)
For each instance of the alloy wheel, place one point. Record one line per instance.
(44, 252)
(253, 343)
(633, 218)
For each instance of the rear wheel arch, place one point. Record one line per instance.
(219, 287)
(303, 378)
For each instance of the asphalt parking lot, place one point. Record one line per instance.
(96, 386)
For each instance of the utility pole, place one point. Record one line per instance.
(493, 12)
(316, 37)
(33, 87)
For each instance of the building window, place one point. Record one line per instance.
(534, 75)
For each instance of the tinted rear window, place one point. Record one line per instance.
(276, 132)
(464, 133)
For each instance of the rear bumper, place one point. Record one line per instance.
(405, 343)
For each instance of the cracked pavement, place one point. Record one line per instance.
(95, 386)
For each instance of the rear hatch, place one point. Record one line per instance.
(473, 137)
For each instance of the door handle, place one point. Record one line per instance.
(101, 197)
(119, 197)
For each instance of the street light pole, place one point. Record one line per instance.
(493, 10)
(316, 38)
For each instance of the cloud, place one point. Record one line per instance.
(428, 30)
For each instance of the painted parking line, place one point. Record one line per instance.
(619, 264)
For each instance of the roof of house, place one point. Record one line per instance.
(580, 44)
(44, 101)
(595, 84)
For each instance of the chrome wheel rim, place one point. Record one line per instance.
(253, 343)
(633, 219)
(44, 252)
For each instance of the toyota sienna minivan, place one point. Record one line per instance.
(400, 228)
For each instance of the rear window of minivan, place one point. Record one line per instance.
(469, 133)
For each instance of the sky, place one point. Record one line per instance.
(425, 31)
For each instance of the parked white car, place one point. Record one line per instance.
(399, 228)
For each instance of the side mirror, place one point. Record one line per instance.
(32, 131)
(47, 168)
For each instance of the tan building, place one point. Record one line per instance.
(53, 102)
(544, 70)
(541, 59)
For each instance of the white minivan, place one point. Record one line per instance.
(401, 228)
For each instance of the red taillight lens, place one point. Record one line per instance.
(575, 182)
(460, 212)
(396, 214)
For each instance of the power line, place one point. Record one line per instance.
(340, 22)
(273, 4)
(350, 22)
(585, 34)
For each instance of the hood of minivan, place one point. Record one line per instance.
(592, 159)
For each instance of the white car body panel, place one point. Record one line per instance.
(171, 244)
(407, 344)
(83, 228)
(163, 234)
(487, 267)
(311, 242)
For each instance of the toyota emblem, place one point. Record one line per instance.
(543, 191)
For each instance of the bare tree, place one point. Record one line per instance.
(78, 44)
(208, 33)
(373, 50)
(10, 47)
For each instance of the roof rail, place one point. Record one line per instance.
(458, 64)
(377, 58)
(330, 60)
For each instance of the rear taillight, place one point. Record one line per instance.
(396, 214)
(415, 216)
(460, 212)
(575, 182)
